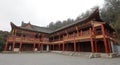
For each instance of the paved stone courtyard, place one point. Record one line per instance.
(53, 59)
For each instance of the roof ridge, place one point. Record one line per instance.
(41, 27)
(48, 30)
(80, 20)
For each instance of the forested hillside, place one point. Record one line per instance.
(58, 24)
(3, 36)
(110, 13)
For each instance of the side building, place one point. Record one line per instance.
(90, 34)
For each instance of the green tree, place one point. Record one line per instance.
(2, 42)
(111, 14)
(3, 36)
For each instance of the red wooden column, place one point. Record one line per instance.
(59, 43)
(34, 44)
(96, 46)
(94, 33)
(20, 47)
(81, 33)
(53, 43)
(6, 45)
(74, 43)
(104, 39)
(78, 47)
(91, 40)
(39, 45)
(14, 40)
(63, 45)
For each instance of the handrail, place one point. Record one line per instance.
(29, 39)
(84, 33)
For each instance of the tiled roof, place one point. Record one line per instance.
(47, 30)
(94, 14)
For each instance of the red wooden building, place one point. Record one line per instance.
(90, 34)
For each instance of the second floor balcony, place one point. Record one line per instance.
(27, 39)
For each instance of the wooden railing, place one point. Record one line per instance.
(84, 33)
(27, 39)
(45, 39)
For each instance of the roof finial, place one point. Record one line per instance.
(22, 22)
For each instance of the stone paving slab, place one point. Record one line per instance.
(53, 59)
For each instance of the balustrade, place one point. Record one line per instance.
(84, 33)
(45, 39)
(28, 39)
(69, 36)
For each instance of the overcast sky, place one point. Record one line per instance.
(41, 12)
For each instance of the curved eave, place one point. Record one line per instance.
(93, 15)
(22, 28)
